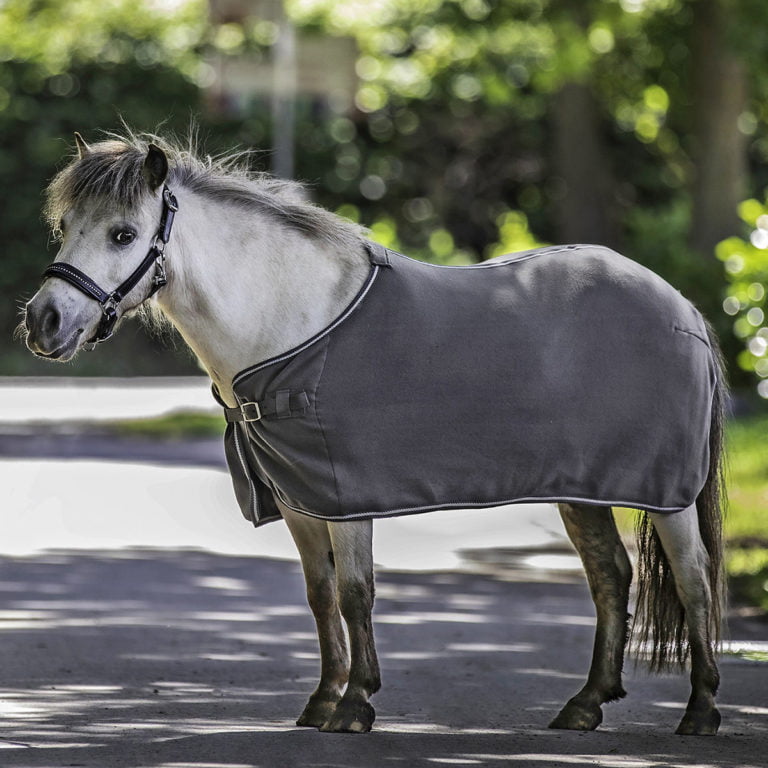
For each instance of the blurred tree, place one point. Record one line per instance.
(478, 126)
(81, 65)
(608, 120)
(719, 180)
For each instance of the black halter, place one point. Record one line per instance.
(109, 301)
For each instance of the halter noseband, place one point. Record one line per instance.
(109, 301)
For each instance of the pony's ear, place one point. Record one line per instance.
(82, 148)
(155, 167)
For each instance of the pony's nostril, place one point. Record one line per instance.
(43, 319)
(51, 322)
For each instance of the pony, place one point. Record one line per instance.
(253, 276)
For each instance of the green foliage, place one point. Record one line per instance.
(746, 267)
(447, 154)
(748, 578)
(81, 65)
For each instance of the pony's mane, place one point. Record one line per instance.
(111, 174)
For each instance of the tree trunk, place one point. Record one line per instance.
(586, 203)
(719, 149)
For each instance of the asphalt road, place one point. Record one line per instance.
(167, 658)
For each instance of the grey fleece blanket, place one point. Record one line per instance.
(562, 374)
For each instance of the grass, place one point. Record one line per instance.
(747, 521)
(746, 525)
(174, 426)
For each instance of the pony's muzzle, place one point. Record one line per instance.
(48, 334)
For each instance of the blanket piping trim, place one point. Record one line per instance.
(475, 505)
(314, 339)
(490, 264)
(254, 503)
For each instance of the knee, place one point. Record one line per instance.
(321, 596)
(355, 598)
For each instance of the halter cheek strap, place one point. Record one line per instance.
(109, 301)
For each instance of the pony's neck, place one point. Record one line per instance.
(250, 288)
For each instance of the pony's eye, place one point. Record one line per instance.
(123, 236)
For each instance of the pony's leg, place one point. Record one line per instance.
(353, 551)
(689, 561)
(314, 544)
(609, 574)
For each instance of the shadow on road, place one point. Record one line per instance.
(186, 658)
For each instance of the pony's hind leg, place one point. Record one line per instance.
(690, 564)
(609, 573)
(353, 551)
(314, 544)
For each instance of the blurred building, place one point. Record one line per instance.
(277, 61)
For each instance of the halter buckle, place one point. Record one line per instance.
(160, 278)
(108, 319)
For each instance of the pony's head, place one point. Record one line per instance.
(105, 207)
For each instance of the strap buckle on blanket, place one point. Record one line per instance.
(283, 404)
(250, 412)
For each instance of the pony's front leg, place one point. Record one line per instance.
(314, 544)
(353, 552)
(690, 564)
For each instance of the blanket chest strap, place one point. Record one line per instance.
(284, 404)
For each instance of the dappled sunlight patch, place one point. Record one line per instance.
(240, 657)
(470, 602)
(225, 617)
(403, 592)
(611, 761)
(745, 709)
(54, 717)
(411, 655)
(305, 655)
(177, 656)
(426, 617)
(206, 765)
(437, 728)
(494, 647)
(261, 638)
(553, 562)
(549, 618)
(542, 672)
(223, 583)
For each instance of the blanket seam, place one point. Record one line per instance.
(696, 335)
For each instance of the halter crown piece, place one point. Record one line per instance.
(109, 301)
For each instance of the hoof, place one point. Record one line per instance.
(317, 712)
(350, 717)
(575, 717)
(699, 724)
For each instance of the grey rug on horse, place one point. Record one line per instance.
(567, 373)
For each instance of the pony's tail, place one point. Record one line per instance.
(659, 622)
